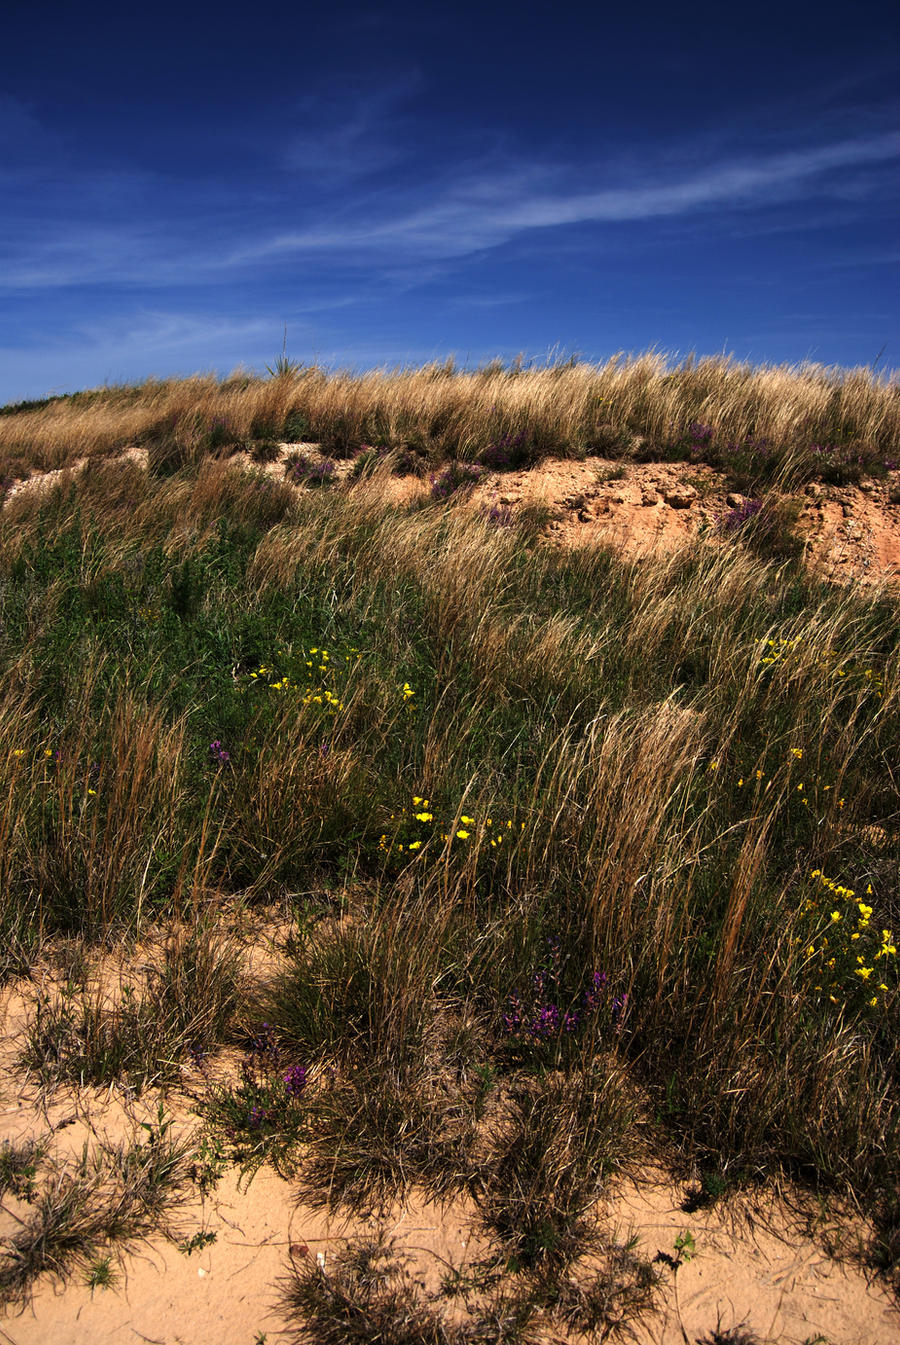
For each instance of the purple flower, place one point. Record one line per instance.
(619, 1010)
(218, 753)
(595, 991)
(295, 1081)
(455, 476)
(307, 471)
(499, 514)
(736, 519)
(545, 1023)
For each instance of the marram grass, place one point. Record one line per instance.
(223, 696)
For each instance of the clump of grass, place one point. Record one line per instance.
(185, 1006)
(19, 1164)
(101, 1274)
(550, 1156)
(732, 1335)
(112, 1199)
(399, 461)
(367, 1292)
(354, 1157)
(360, 992)
(609, 1301)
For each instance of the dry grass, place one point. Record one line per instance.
(672, 750)
(113, 1198)
(642, 403)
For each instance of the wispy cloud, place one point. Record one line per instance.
(132, 228)
(346, 134)
(489, 210)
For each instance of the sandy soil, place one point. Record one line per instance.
(755, 1262)
(851, 533)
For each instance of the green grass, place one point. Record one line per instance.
(677, 747)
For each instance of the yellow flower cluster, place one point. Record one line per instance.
(779, 651)
(846, 954)
(416, 826)
(306, 676)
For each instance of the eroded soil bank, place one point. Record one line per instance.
(846, 533)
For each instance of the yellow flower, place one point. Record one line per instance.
(19, 752)
(424, 817)
(462, 834)
(467, 821)
(414, 845)
(835, 917)
(416, 800)
(797, 752)
(864, 972)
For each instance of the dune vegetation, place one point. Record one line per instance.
(579, 863)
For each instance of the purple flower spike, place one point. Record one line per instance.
(594, 992)
(295, 1081)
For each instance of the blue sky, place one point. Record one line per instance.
(402, 182)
